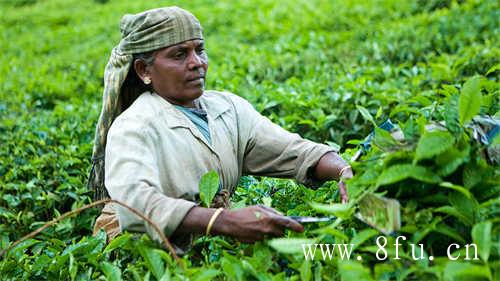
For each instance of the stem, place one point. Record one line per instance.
(91, 205)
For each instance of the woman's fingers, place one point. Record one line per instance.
(270, 209)
(289, 223)
(282, 221)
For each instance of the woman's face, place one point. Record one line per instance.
(178, 72)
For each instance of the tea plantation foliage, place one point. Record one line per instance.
(328, 70)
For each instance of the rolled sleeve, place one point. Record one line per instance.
(132, 177)
(270, 150)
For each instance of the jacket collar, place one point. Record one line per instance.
(214, 106)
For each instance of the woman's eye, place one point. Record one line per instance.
(200, 51)
(179, 55)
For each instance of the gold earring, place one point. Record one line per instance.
(147, 80)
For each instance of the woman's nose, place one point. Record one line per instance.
(195, 60)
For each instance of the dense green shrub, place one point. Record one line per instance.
(309, 66)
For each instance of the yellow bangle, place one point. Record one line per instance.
(343, 170)
(212, 219)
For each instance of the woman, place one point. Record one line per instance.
(167, 132)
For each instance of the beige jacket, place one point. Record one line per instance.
(155, 156)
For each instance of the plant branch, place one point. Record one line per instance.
(91, 205)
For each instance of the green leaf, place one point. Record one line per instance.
(73, 267)
(383, 139)
(289, 245)
(232, 267)
(366, 114)
(458, 188)
(448, 231)
(432, 144)
(337, 209)
(481, 235)
(112, 272)
(354, 271)
(331, 230)
(469, 102)
(206, 275)
(153, 260)
(362, 236)
(209, 185)
(452, 211)
(398, 173)
(455, 270)
(493, 69)
(466, 206)
(450, 160)
(267, 201)
(166, 276)
(305, 271)
(118, 242)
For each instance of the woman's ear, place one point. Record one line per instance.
(141, 69)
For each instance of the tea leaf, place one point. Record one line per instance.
(362, 236)
(209, 185)
(153, 260)
(206, 275)
(354, 271)
(118, 242)
(289, 245)
(456, 270)
(481, 234)
(112, 272)
(469, 102)
(398, 173)
(432, 144)
(337, 209)
(366, 114)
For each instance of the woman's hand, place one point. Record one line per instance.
(254, 223)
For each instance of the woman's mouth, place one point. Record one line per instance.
(196, 81)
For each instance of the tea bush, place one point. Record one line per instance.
(329, 70)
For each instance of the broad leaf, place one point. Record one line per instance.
(448, 231)
(450, 160)
(112, 272)
(366, 114)
(206, 275)
(118, 242)
(232, 267)
(290, 245)
(481, 235)
(337, 209)
(466, 206)
(398, 173)
(354, 271)
(432, 144)
(153, 260)
(362, 236)
(383, 139)
(209, 185)
(458, 188)
(456, 270)
(469, 102)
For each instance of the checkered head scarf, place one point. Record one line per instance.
(141, 33)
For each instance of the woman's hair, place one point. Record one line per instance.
(133, 86)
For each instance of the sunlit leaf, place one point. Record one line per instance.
(432, 144)
(469, 101)
(112, 272)
(209, 185)
(290, 245)
(481, 234)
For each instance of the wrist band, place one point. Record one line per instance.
(212, 219)
(343, 170)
